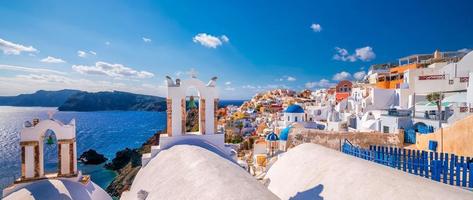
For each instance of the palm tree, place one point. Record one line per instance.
(436, 97)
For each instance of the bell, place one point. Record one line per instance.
(50, 140)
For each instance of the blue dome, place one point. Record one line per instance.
(284, 133)
(294, 109)
(272, 137)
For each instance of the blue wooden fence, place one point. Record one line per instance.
(441, 167)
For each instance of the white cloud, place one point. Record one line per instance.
(341, 76)
(224, 38)
(316, 27)
(229, 88)
(210, 41)
(112, 70)
(323, 83)
(290, 78)
(107, 43)
(51, 59)
(10, 48)
(29, 69)
(147, 40)
(228, 83)
(248, 87)
(359, 75)
(46, 78)
(464, 50)
(343, 55)
(81, 54)
(179, 73)
(286, 78)
(364, 54)
(84, 54)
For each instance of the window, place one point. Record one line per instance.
(385, 129)
(295, 119)
(288, 118)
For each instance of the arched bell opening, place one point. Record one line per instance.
(193, 112)
(50, 153)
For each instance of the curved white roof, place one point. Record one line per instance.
(311, 171)
(59, 189)
(192, 172)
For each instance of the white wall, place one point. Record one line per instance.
(289, 118)
(395, 123)
(29, 161)
(469, 93)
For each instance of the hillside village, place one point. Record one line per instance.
(422, 102)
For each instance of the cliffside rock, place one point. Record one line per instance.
(91, 157)
(192, 120)
(123, 181)
(127, 163)
(123, 157)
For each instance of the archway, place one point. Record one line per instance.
(38, 140)
(50, 152)
(192, 114)
(177, 99)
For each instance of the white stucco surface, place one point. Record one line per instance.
(59, 189)
(310, 171)
(192, 172)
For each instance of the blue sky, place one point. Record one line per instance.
(250, 45)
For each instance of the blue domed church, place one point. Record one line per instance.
(293, 113)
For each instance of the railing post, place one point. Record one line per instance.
(445, 168)
(457, 173)
(470, 179)
(425, 161)
(404, 161)
(463, 168)
(453, 160)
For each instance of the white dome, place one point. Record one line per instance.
(59, 189)
(193, 172)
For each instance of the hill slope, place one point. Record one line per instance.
(40, 98)
(100, 101)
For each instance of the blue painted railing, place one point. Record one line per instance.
(441, 167)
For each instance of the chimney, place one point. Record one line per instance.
(35, 121)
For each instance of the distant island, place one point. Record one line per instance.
(76, 100)
(40, 98)
(100, 101)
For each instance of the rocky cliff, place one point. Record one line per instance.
(127, 163)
